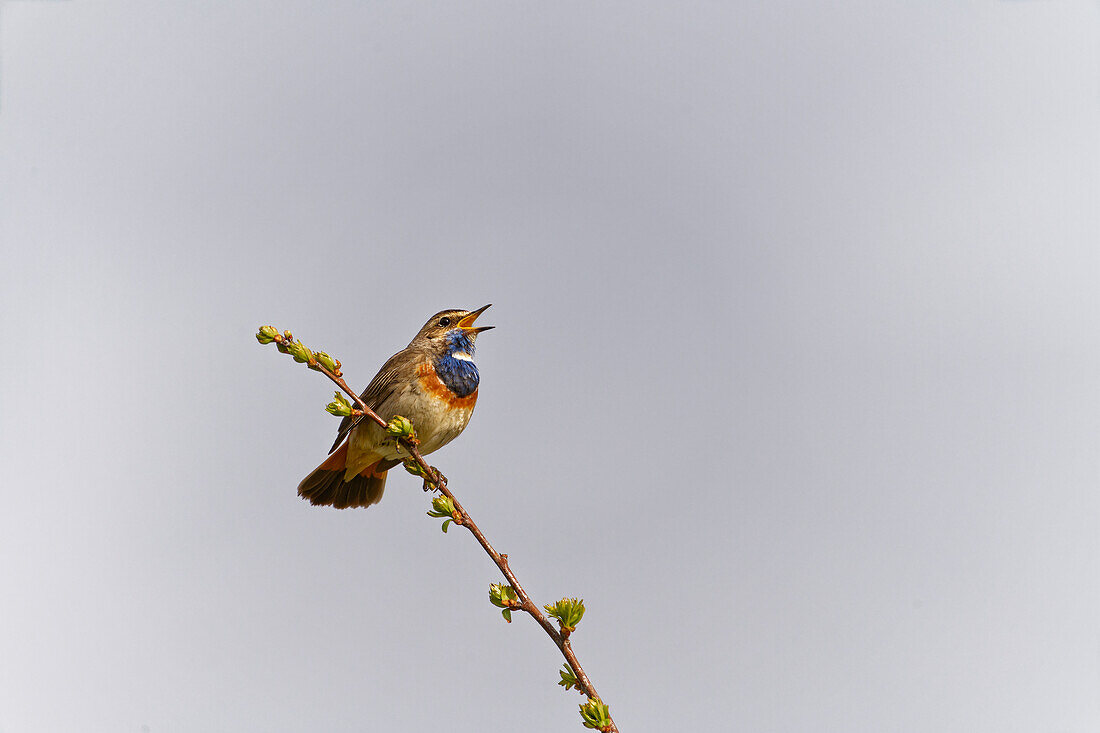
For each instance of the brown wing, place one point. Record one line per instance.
(379, 389)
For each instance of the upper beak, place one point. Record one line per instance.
(467, 322)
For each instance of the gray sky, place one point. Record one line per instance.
(794, 379)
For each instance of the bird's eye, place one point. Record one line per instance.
(444, 321)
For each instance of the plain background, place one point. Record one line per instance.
(794, 379)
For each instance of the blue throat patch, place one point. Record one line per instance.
(459, 375)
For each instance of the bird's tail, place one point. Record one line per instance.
(327, 484)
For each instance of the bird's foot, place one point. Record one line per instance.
(430, 485)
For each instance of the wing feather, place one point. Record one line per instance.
(379, 391)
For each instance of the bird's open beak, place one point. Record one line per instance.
(467, 323)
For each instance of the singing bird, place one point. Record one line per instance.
(433, 382)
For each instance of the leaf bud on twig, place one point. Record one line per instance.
(401, 428)
(325, 360)
(340, 407)
(504, 596)
(568, 679)
(266, 334)
(414, 468)
(568, 612)
(299, 351)
(596, 714)
(443, 507)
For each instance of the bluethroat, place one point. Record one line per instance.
(433, 382)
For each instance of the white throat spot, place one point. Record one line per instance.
(462, 356)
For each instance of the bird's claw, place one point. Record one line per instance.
(430, 485)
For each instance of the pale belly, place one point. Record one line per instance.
(436, 423)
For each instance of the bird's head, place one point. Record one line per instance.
(452, 331)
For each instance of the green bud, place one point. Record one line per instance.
(299, 351)
(266, 334)
(503, 595)
(288, 335)
(568, 679)
(568, 612)
(325, 360)
(442, 506)
(414, 468)
(400, 427)
(595, 714)
(340, 407)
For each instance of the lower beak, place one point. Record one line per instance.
(467, 323)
